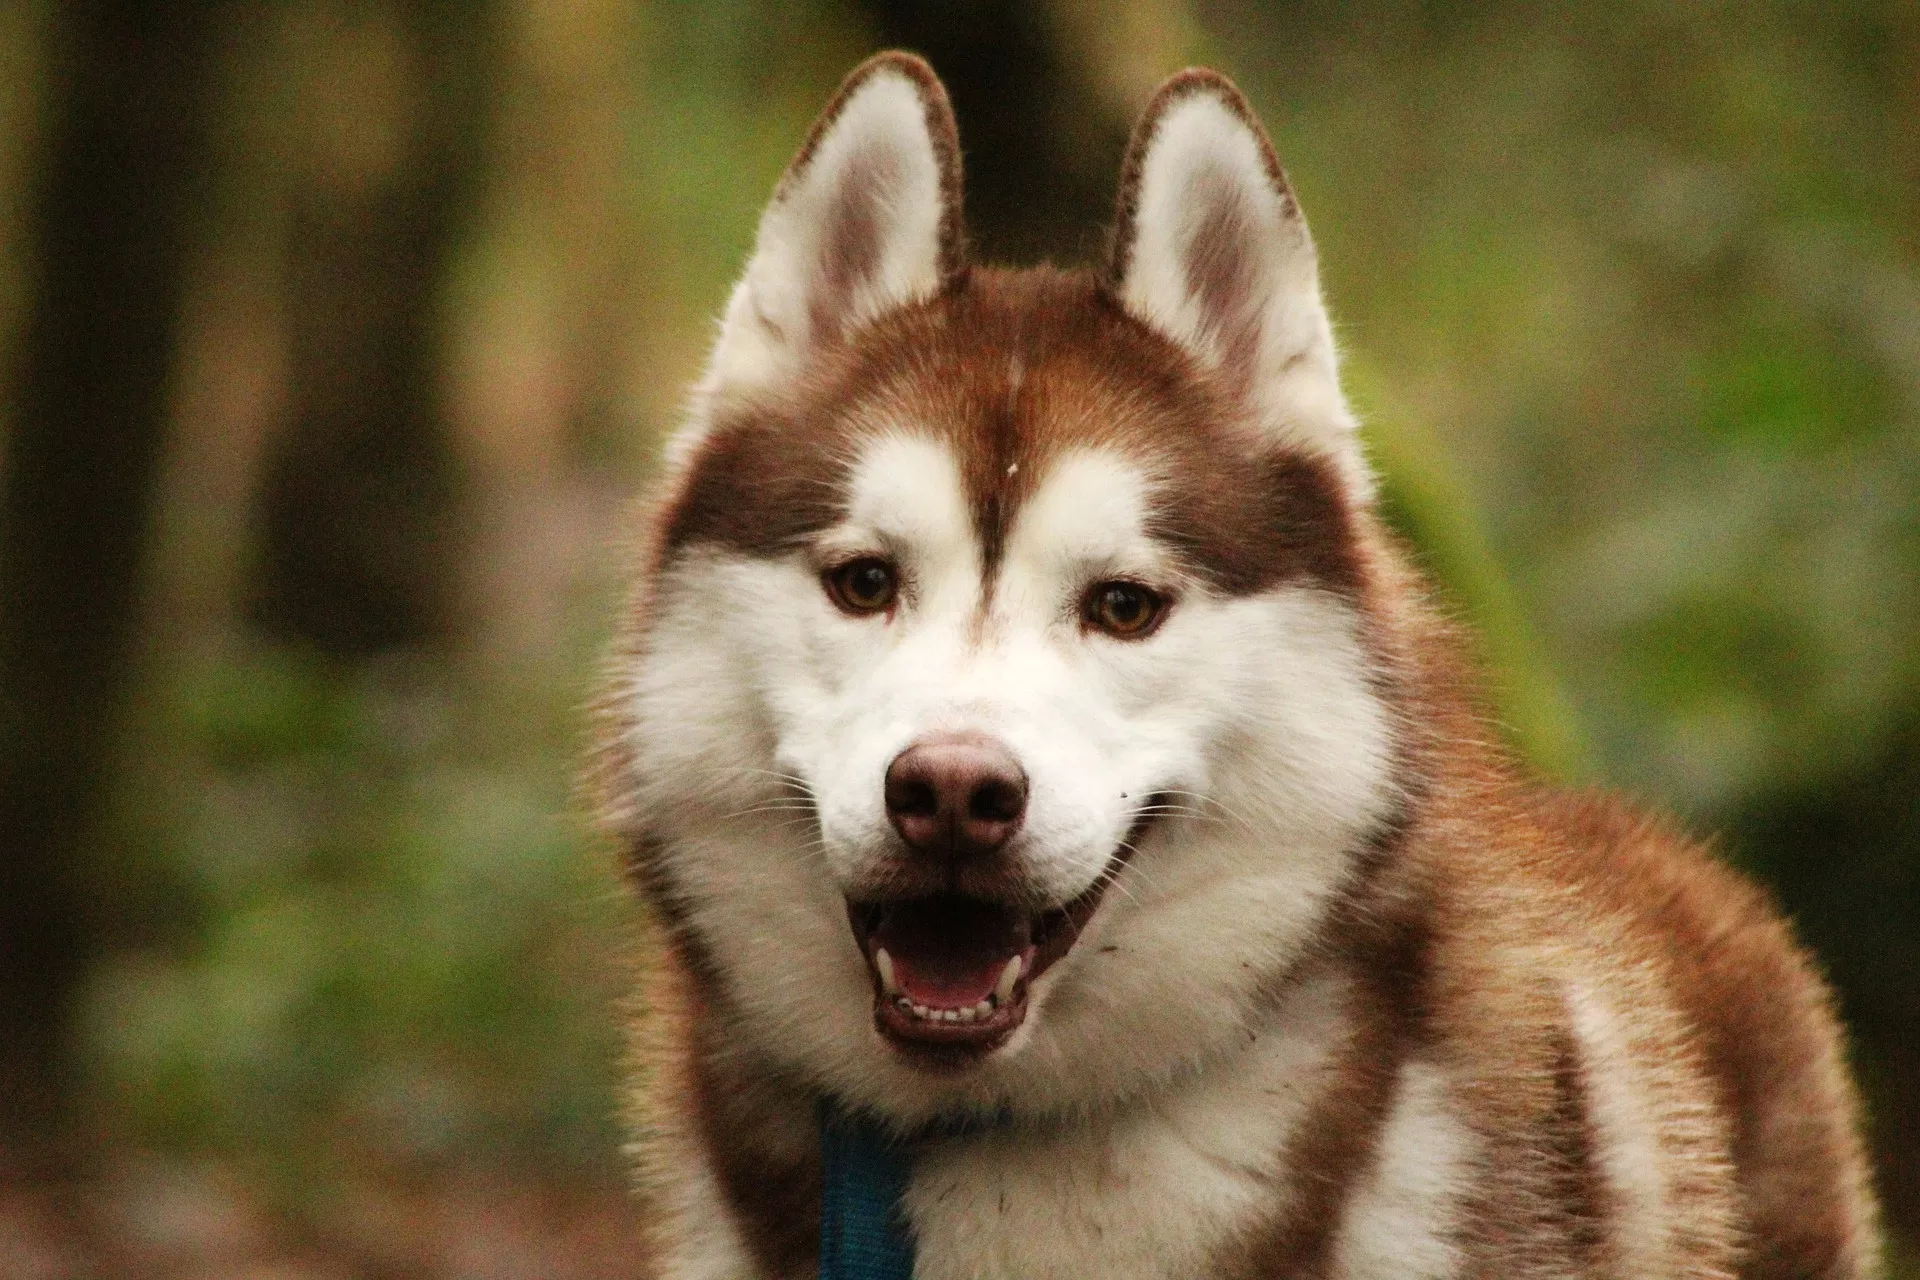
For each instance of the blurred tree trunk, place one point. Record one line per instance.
(360, 503)
(1043, 145)
(125, 151)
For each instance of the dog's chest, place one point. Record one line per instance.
(1138, 1203)
(1156, 1191)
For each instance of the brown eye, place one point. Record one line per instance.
(1124, 609)
(866, 585)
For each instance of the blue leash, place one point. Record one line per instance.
(863, 1228)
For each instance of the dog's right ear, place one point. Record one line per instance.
(867, 217)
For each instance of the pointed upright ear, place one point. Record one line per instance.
(1211, 249)
(867, 217)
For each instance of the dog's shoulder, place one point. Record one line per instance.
(1758, 1020)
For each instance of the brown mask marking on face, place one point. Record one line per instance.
(1011, 370)
(765, 480)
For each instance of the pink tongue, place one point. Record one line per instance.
(949, 952)
(947, 990)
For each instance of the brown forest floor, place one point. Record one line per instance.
(154, 1219)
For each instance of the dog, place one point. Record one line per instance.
(1030, 743)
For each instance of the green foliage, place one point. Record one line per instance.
(399, 943)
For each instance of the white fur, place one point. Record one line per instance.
(700, 1238)
(1149, 1192)
(1200, 157)
(1626, 1121)
(1399, 1224)
(1650, 1129)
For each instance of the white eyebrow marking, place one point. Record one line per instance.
(907, 492)
(1089, 514)
(909, 487)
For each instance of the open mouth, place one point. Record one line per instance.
(951, 972)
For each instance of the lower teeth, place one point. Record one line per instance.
(972, 1013)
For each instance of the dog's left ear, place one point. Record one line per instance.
(1211, 249)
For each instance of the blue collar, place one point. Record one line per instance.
(863, 1227)
(864, 1233)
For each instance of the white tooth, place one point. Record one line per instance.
(951, 1015)
(1008, 976)
(921, 1011)
(967, 1014)
(884, 963)
(984, 1009)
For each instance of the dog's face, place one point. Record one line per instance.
(1003, 715)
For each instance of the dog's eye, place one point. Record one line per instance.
(867, 585)
(1123, 609)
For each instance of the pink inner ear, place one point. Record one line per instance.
(851, 245)
(1221, 265)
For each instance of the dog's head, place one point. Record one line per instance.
(1000, 717)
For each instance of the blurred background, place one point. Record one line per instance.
(335, 333)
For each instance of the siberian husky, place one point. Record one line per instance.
(1028, 739)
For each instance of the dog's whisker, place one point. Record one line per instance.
(793, 806)
(1214, 801)
(748, 771)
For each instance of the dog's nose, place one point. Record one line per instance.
(957, 796)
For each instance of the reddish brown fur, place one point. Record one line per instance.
(756, 1130)
(1768, 1033)
(1342, 1130)
(1478, 880)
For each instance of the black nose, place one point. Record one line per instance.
(959, 796)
